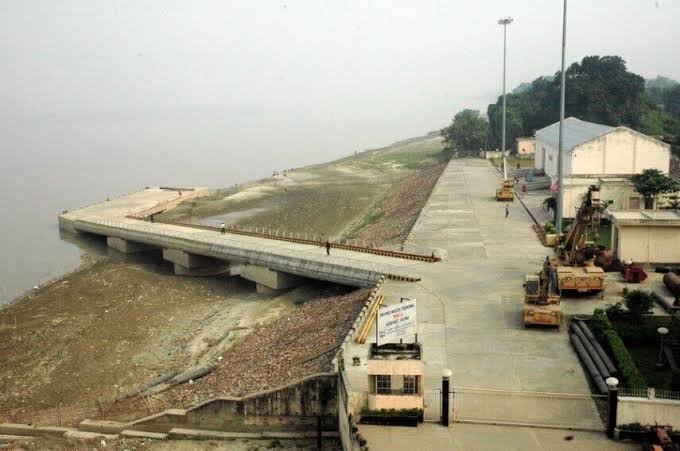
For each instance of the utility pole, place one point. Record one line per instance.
(560, 150)
(505, 22)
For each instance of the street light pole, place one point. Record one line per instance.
(560, 151)
(505, 22)
(663, 331)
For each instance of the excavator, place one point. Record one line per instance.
(579, 262)
(541, 298)
(506, 192)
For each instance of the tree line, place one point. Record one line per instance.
(598, 89)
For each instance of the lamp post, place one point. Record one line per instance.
(505, 22)
(663, 332)
(612, 405)
(560, 149)
(446, 378)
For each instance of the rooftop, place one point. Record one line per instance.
(576, 132)
(671, 217)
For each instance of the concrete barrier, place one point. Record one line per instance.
(295, 406)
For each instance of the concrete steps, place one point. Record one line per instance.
(101, 426)
(34, 431)
(144, 434)
(9, 438)
(89, 436)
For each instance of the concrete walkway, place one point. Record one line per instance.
(478, 437)
(470, 305)
(111, 219)
(470, 318)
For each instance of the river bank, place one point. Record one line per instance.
(116, 323)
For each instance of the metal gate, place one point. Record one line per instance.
(555, 410)
(432, 405)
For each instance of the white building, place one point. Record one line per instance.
(647, 236)
(601, 155)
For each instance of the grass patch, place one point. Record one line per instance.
(373, 215)
(524, 163)
(645, 357)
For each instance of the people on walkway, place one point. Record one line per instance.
(507, 210)
(328, 247)
(223, 228)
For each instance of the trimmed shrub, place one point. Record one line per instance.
(549, 227)
(638, 302)
(599, 324)
(675, 380)
(605, 332)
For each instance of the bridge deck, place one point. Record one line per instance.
(342, 266)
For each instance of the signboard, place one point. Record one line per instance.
(397, 322)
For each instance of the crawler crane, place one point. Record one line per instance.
(578, 262)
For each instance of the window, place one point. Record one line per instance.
(410, 385)
(634, 203)
(383, 384)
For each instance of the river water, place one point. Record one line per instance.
(51, 164)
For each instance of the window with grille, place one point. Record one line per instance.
(383, 384)
(410, 385)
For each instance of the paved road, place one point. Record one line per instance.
(472, 300)
(470, 320)
(478, 437)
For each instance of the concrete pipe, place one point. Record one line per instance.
(672, 281)
(601, 367)
(588, 363)
(598, 348)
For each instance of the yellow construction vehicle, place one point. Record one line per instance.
(578, 260)
(506, 192)
(541, 298)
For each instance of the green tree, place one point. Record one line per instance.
(513, 125)
(600, 89)
(653, 122)
(671, 101)
(468, 131)
(638, 302)
(652, 182)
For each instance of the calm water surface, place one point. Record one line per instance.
(51, 164)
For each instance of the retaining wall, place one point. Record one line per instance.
(665, 412)
(293, 407)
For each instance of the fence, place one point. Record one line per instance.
(649, 393)
(555, 410)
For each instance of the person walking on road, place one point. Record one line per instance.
(328, 247)
(223, 228)
(507, 210)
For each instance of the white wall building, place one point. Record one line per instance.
(598, 154)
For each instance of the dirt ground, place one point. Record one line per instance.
(115, 324)
(337, 199)
(111, 326)
(128, 444)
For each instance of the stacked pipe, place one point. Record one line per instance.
(592, 355)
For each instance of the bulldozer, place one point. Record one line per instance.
(541, 298)
(579, 262)
(506, 192)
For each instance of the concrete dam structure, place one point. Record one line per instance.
(194, 251)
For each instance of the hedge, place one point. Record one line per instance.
(603, 328)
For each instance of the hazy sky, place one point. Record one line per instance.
(289, 81)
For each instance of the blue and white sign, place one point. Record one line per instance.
(397, 322)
